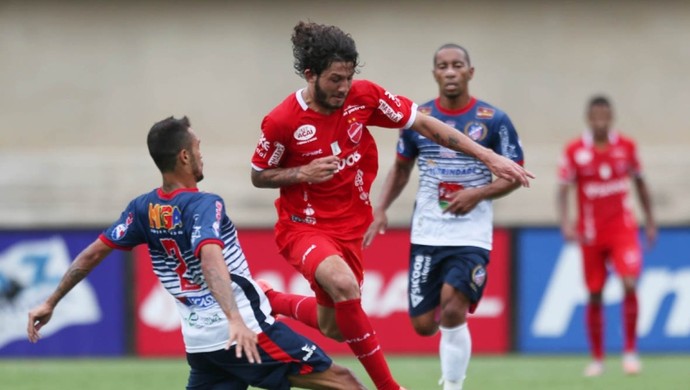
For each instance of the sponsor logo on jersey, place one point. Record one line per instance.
(388, 111)
(263, 146)
(485, 112)
(121, 229)
(451, 123)
(596, 190)
(508, 149)
(348, 161)
(335, 148)
(313, 153)
(355, 132)
(352, 108)
(277, 154)
(305, 132)
(393, 98)
(605, 171)
(419, 274)
(476, 130)
(164, 216)
(204, 301)
(219, 216)
(583, 156)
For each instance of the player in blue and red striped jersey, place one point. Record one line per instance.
(230, 337)
(316, 147)
(452, 224)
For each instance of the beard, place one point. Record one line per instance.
(321, 98)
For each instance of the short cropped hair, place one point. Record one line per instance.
(453, 46)
(165, 141)
(598, 100)
(317, 46)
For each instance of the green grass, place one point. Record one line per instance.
(416, 373)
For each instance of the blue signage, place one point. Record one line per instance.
(552, 297)
(88, 321)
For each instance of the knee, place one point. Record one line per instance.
(342, 287)
(425, 328)
(452, 316)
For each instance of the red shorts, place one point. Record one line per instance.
(622, 251)
(306, 249)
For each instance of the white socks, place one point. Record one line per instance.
(455, 349)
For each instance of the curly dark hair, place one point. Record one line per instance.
(316, 46)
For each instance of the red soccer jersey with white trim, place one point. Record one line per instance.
(602, 176)
(293, 135)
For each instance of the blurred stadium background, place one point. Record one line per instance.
(82, 82)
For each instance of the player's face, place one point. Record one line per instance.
(452, 72)
(600, 119)
(196, 160)
(333, 84)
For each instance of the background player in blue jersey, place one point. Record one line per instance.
(230, 337)
(452, 224)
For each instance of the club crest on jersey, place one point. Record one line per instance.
(355, 132)
(304, 134)
(121, 229)
(164, 216)
(476, 130)
(479, 275)
(485, 112)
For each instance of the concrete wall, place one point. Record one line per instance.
(81, 84)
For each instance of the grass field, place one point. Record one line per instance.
(418, 373)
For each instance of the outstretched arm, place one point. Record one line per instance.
(82, 265)
(447, 136)
(646, 201)
(218, 280)
(396, 180)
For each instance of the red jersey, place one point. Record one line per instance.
(293, 135)
(602, 177)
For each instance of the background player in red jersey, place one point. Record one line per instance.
(600, 164)
(315, 147)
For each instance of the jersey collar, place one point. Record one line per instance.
(300, 100)
(459, 111)
(170, 195)
(588, 138)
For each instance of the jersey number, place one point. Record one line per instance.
(173, 250)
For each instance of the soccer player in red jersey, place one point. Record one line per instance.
(315, 147)
(600, 164)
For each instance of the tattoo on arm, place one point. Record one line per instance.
(276, 177)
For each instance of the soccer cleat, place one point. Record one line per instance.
(450, 385)
(631, 363)
(595, 368)
(267, 288)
